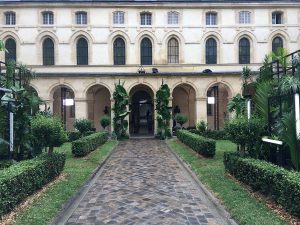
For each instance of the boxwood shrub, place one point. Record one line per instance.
(73, 135)
(202, 145)
(282, 185)
(85, 145)
(22, 179)
(213, 134)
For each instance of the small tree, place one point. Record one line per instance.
(201, 126)
(48, 131)
(181, 119)
(105, 121)
(83, 125)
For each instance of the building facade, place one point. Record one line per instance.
(79, 50)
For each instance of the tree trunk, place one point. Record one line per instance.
(50, 150)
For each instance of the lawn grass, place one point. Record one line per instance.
(76, 171)
(244, 208)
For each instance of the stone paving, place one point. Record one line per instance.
(143, 183)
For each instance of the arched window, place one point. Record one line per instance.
(173, 51)
(211, 51)
(48, 52)
(119, 52)
(244, 51)
(82, 52)
(11, 53)
(146, 52)
(277, 43)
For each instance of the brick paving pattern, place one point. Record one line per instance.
(142, 183)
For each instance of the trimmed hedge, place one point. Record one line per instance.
(22, 179)
(5, 164)
(213, 134)
(85, 145)
(73, 135)
(202, 145)
(282, 185)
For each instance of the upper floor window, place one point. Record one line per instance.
(82, 52)
(211, 51)
(118, 17)
(48, 52)
(173, 51)
(11, 53)
(48, 18)
(244, 51)
(146, 18)
(10, 18)
(277, 43)
(119, 51)
(146, 52)
(81, 17)
(173, 17)
(277, 18)
(244, 17)
(211, 18)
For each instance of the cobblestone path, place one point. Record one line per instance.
(143, 183)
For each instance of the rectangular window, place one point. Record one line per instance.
(10, 18)
(173, 18)
(48, 18)
(211, 18)
(81, 18)
(146, 18)
(118, 17)
(277, 18)
(244, 17)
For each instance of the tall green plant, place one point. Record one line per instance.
(237, 105)
(287, 132)
(163, 111)
(280, 56)
(121, 100)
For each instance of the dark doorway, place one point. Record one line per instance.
(142, 114)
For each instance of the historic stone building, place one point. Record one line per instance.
(80, 49)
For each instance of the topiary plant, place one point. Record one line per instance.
(83, 125)
(181, 119)
(105, 121)
(48, 132)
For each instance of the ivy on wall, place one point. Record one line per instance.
(121, 102)
(163, 111)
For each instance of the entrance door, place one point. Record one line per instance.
(141, 116)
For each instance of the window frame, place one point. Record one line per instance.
(7, 57)
(173, 58)
(146, 18)
(82, 13)
(171, 16)
(49, 13)
(276, 13)
(78, 53)
(245, 17)
(273, 43)
(209, 20)
(146, 59)
(211, 58)
(11, 17)
(246, 54)
(120, 58)
(49, 55)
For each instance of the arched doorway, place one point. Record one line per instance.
(217, 100)
(64, 105)
(98, 98)
(141, 118)
(184, 102)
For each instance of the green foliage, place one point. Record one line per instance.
(237, 105)
(281, 185)
(89, 133)
(213, 134)
(85, 145)
(105, 121)
(2, 46)
(246, 133)
(22, 179)
(83, 125)
(73, 135)
(280, 56)
(181, 119)
(48, 132)
(163, 111)
(202, 145)
(5, 164)
(265, 73)
(121, 101)
(201, 126)
(289, 85)
(287, 133)
(247, 76)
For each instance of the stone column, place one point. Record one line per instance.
(155, 115)
(171, 120)
(81, 108)
(112, 104)
(201, 109)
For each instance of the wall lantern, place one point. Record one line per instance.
(211, 100)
